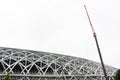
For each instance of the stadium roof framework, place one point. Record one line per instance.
(36, 65)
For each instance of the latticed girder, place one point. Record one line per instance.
(28, 62)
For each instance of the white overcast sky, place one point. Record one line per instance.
(61, 26)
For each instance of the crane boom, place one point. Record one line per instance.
(95, 36)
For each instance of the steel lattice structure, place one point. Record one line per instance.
(36, 65)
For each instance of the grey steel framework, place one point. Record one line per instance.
(36, 65)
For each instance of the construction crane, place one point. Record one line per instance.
(98, 48)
